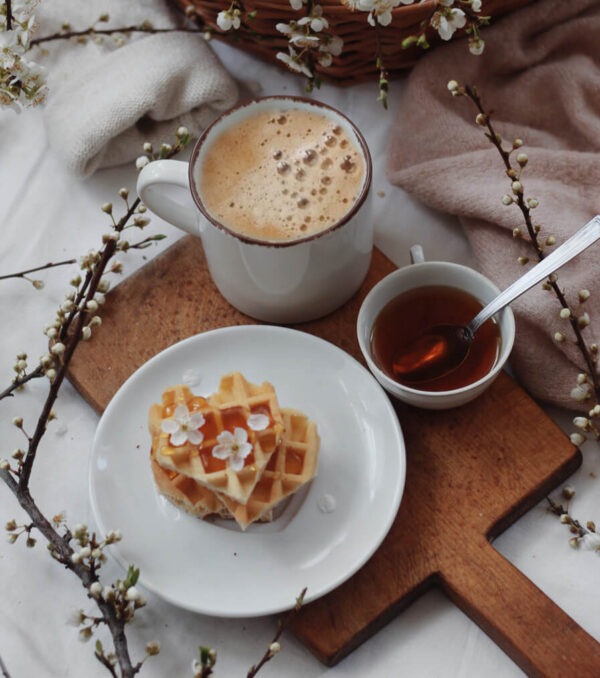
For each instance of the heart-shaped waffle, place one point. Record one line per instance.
(186, 493)
(292, 465)
(200, 438)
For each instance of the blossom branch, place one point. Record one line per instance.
(77, 550)
(125, 30)
(590, 380)
(274, 646)
(584, 536)
(24, 274)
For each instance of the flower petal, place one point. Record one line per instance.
(169, 426)
(244, 450)
(221, 451)
(196, 420)
(226, 438)
(236, 463)
(195, 437)
(240, 435)
(258, 422)
(181, 413)
(178, 438)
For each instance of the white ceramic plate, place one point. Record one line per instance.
(326, 531)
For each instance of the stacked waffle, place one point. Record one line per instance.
(235, 454)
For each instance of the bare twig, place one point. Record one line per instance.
(274, 647)
(89, 32)
(24, 274)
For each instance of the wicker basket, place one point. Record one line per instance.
(359, 56)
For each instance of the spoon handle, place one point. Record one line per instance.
(583, 238)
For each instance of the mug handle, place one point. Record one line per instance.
(417, 255)
(153, 187)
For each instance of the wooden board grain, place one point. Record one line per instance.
(471, 472)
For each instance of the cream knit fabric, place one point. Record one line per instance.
(106, 101)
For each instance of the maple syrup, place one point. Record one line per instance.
(413, 312)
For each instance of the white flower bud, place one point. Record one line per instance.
(147, 147)
(132, 594)
(565, 313)
(141, 162)
(559, 337)
(522, 159)
(580, 392)
(507, 200)
(274, 648)
(452, 86)
(517, 187)
(584, 295)
(152, 648)
(583, 320)
(86, 333)
(532, 203)
(581, 422)
(58, 348)
(107, 207)
(96, 589)
(4, 465)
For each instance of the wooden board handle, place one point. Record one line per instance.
(532, 630)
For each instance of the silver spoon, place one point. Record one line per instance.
(442, 348)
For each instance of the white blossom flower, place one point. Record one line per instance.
(228, 19)
(233, 446)
(75, 618)
(183, 427)
(294, 62)
(448, 21)
(476, 46)
(591, 542)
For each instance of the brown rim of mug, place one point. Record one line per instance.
(269, 243)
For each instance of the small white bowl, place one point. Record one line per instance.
(421, 274)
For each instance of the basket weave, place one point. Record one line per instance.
(357, 61)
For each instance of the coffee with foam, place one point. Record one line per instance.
(281, 175)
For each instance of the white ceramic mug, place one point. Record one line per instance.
(424, 273)
(280, 282)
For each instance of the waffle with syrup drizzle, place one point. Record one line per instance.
(240, 400)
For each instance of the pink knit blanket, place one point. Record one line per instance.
(540, 77)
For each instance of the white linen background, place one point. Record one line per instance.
(47, 215)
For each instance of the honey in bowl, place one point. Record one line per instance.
(413, 313)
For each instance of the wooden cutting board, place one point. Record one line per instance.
(471, 472)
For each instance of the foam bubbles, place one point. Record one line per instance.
(280, 186)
